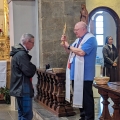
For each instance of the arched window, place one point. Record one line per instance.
(99, 29)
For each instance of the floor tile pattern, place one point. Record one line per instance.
(6, 113)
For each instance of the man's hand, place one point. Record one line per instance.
(63, 39)
(64, 42)
(114, 64)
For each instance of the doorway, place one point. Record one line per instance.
(103, 22)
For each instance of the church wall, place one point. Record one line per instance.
(113, 4)
(52, 16)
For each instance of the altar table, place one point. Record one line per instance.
(111, 90)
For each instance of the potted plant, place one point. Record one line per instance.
(5, 92)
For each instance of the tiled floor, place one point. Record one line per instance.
(6, 113)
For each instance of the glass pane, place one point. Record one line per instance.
(99, 30)
(99, 24)
(99, 39)
(100, 12)
(99, 18)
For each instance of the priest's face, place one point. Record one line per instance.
(79, 29)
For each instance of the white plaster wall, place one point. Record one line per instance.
(37, 34)
(110, 27)
(11, 24)
(24, 19)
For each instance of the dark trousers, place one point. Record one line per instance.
(24, 108)
(111, 72)
(87, 112)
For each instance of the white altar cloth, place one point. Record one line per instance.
(3, 70)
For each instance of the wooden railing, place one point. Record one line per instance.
(110, 90)
(51, 93)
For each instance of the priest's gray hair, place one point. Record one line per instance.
(84, 25)
(26, 37)
(81, 24)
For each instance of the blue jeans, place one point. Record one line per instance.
(24, 108)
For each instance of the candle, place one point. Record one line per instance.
(64, 31)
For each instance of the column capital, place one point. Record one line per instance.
(18, 0)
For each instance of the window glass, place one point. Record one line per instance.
(100, 12)
(99, 24)
(99, 18)
(99, 30)
(99, 39)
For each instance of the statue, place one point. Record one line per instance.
(84, 14)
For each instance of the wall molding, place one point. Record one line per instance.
(18, 0)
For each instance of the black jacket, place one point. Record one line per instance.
(110, 57)
(21, 72)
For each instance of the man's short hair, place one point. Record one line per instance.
(26, 37)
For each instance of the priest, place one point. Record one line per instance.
(80, 69)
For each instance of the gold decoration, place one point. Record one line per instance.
(4, 48)
(6, 18)
(5, 41)
(4, 55)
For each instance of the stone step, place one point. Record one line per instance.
(40, 113)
